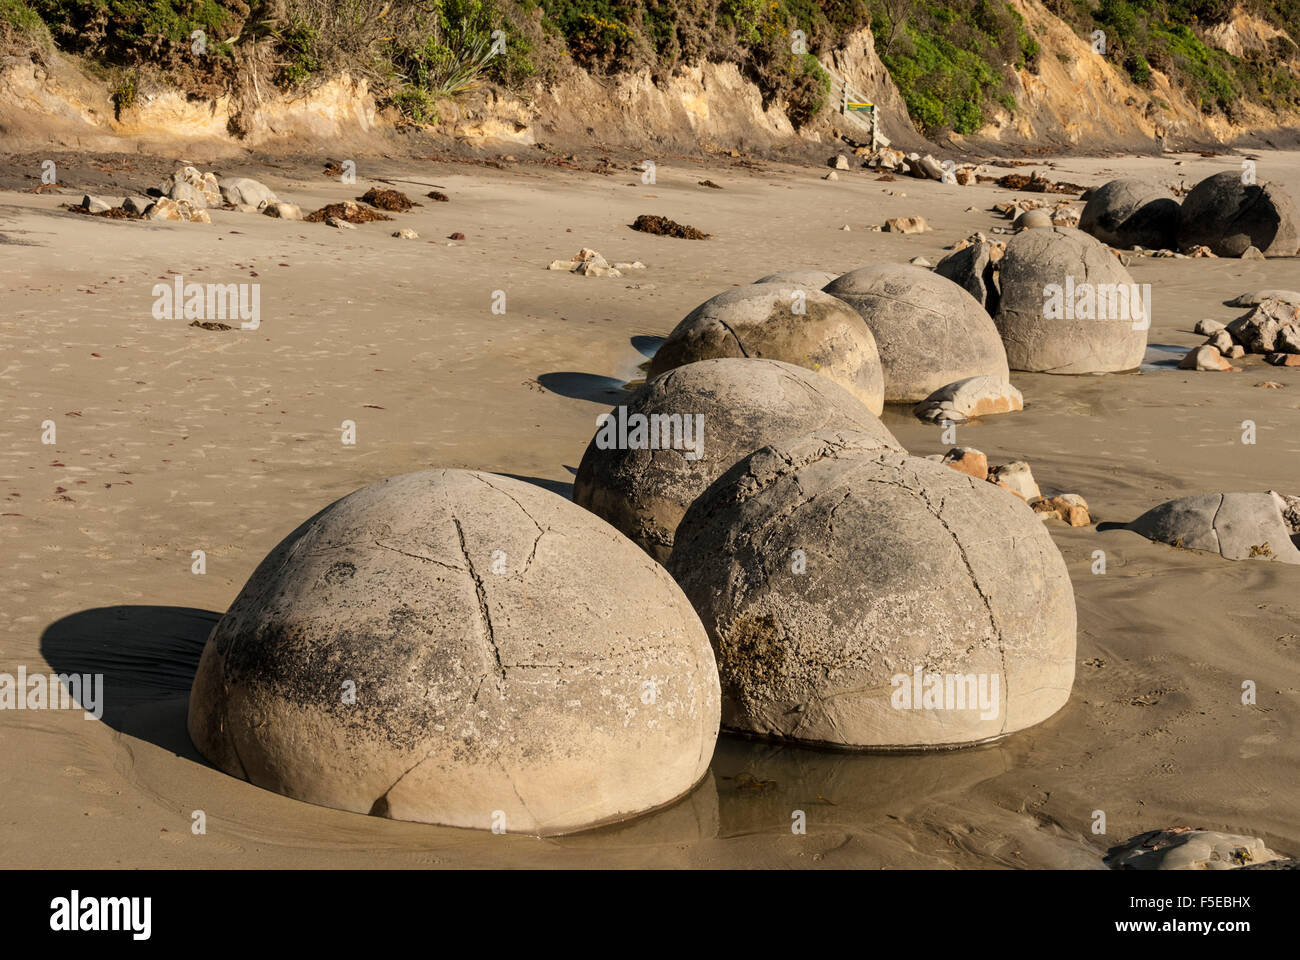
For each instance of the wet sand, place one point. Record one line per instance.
(172, 439)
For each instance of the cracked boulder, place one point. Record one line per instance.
(1068, 306)
(930, 331)
(1132, 213)
(865, 598)
(721, 410)
(460, 648)
(779, 321)
(1237, 526)
(1229, 216)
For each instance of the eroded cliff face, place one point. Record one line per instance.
(1074, 99)
(1078, 99)
(57, 104)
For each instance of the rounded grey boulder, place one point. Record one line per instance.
(722, 410)
(1227, 215)
(1237, 526)
(1132, 213)
(816, 279)
(463, 649)
(237, 190)
(930, 332)
(775, 321)
(870, 599)
(1068, 306)
(1033, 220)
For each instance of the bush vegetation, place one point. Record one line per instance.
(953, 61)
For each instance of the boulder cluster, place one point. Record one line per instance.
(1271, 327)
(1227, 215)
(463, 648)
(188, 194)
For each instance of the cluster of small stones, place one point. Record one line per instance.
(1017, 478)
(1270, 328)
(588, 263)
(188, 194)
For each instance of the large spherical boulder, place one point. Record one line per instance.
(930, 331)
(866, 598)
(463, 649)
(722, 410)
(1237, 526)
(776, 321)
(1227, 215)
(1132, 213)
(1068, 305)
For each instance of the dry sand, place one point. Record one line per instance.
(172, 439)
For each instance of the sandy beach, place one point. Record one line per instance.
(172, 439)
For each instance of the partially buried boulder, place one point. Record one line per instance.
(775, 321)
(464, 649)
(970, 398)
(1237, 526)
(816, 279)
(694, 423)
(1229, 216)
(865, 598)
(1184, 848)
(1257, 297)
(930, 332)
(1068, 306)
(1132, 213)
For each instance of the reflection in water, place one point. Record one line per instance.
(753, 788)
(1162, 356)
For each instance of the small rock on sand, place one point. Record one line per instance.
(1018, 478)
(283, 211)
(968, 460)
(1204, 357)
(906, 225)
(1070, 507)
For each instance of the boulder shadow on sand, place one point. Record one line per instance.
(148, 656)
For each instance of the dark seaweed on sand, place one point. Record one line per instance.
(112, 213)
(666, 228)
(393, 200)
(345, 211)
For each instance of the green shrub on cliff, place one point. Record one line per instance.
(952, 61)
